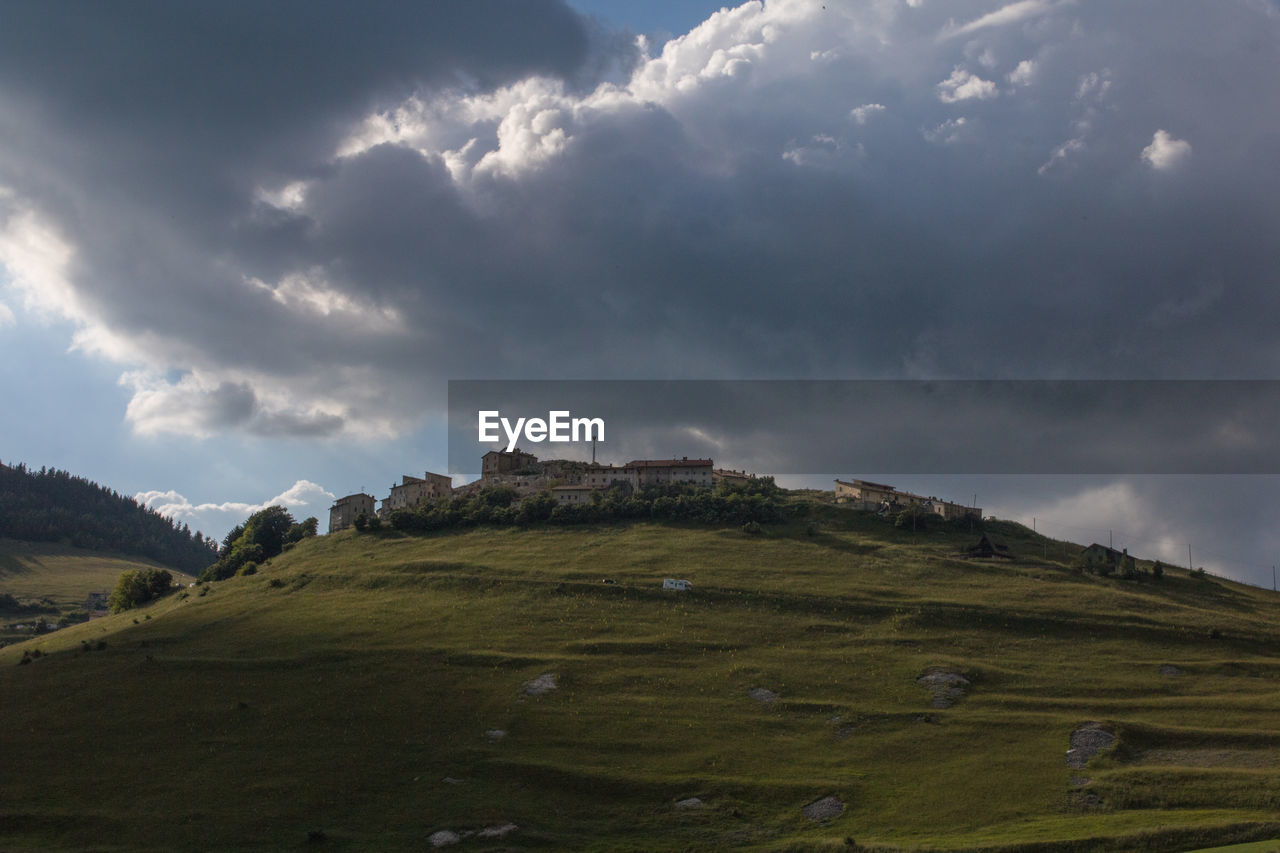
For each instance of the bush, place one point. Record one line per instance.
(913, 518)
(247, 569)
(135, 588)
(72, 618)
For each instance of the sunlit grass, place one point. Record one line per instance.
(338, 688)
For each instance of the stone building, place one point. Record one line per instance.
(660, 472)
(864, 494)
(414, 490)
(733, 478)
(877, 497)
(344, 511)
(497, 462)
(605, 476)
(575, 494)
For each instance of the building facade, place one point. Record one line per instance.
(574, 495)
(606, 476)
(414, 490)
(497, 462)
(345, 511)
(733, 478)
(863, 494)
(661, 472)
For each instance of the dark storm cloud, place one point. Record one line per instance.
(791, 427)
(340, 210)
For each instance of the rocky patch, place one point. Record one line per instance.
(947, 687)
(761, 694)
(1086, 742)
(824, 809)
(501, 830)
(544, 683)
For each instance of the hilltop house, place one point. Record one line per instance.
(733, 478)
(635, 474)
(574, 494)
(345, 511)
(879, 497)
(1100, 556)
(414, 490)
(497, 462)
(660, 472)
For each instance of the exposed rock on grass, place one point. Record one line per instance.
(761, 694)
(1086, 742)
(501, 830)
(495, 735)
(824, 809)
(689, 803)
(444, 838)
(544, 683)
(1170, 670)
(947, 687)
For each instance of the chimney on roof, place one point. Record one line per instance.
(684, 458)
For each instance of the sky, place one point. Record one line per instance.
(244, 248)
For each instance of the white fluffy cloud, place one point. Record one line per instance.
(1166, 153)
(963, 85)
(1024, 74)
(303, 498)
(6, 316)
(863, 114)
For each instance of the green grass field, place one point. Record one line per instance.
(60, 575)
(344, 693)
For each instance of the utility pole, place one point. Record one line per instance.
(1189, 557)
(1273, 578)
(1111, 540)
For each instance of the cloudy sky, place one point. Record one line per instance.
(243, 247)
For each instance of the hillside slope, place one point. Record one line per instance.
(367, 691)
(60, 577)
(55, 506)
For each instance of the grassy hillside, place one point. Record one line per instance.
(59, 576)
(367, 691)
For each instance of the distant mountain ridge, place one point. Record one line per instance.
(55, 506)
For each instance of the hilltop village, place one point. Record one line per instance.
(568, 481)
(573, 483)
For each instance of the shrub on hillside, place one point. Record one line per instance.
(137, 587)
(913, 518)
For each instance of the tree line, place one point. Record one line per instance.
(54, 506)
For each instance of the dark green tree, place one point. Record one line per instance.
(261, 537)
(138, 586)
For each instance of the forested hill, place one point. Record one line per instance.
(53, 506)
